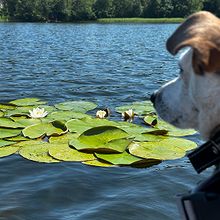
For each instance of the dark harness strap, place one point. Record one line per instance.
(207, 154)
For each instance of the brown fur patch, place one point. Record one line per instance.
(201, 31)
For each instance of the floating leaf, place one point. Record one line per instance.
(5, 107)
(19, 111)
(26, 121)
(173, 131)
(65, 153)
(102, 139)
(5, 132)
(151, 120)
(97, 163)
(1, 114)
(6, 143)
(8, 150)
(17, 138)
(167, 149)
(38, 130)
(27, 102)
(77, 106)
(118, 159)
(140, 108)
(66, 115)
(149, 137)
(63, 139)
(79, 126)
(8, 123)
(38, 152)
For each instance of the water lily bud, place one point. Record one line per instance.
(38, 113)
(103, 113)
(100, 114)
(128, 115)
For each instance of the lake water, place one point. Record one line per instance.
(112, 65)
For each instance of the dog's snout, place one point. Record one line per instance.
(153, 96)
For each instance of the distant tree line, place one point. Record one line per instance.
(75, 10)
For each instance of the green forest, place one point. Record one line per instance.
(85, 10)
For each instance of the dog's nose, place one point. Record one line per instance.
(153, 96)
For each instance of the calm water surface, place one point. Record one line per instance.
(111, 65)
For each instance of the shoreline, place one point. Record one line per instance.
(112, 20)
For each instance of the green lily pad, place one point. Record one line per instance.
(5, 107)
(81, 125)
(149, 137)
(6, 132)
(119, 159)
(66, 115)
(140, 108)
(17, 138)
(132, 129)
(8, 150)
(1, 114)
(27, 102)
(173, 131)
(24, 121)
(8, 123)
(77, 106)
(98, 163)
(102, 139)
(38, 152)
(38, 130)
(18, 111)
(6, 143)
(63, 139)
(167, 149)
(65, 153)
(151, 120)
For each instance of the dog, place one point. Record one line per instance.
(192, 100)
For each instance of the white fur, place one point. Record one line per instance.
(191, 100)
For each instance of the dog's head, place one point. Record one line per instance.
(192, 100)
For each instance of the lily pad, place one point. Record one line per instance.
(63, 139)
(102, 139)
(38, 130)
(81, 125)
(38, 152)
(65, 153)
(140, 108)
(27, 102)
(18, 111)
(8, 150)
(5, 107)
(6, 132)
(5, 143)
(98, 163)
(173, 131)
(17, 138)
(167, 149)
(66, 115)
(8, 123)
(77, 106)
(119, 159)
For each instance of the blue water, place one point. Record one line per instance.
(111, 65)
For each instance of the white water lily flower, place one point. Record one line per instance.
(128, 115)
(38, 113)
(101, 114)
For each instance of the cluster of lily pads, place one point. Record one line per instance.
(66, 132)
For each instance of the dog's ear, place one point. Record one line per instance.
(201, 31)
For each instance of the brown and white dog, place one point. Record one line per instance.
(192, 100)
